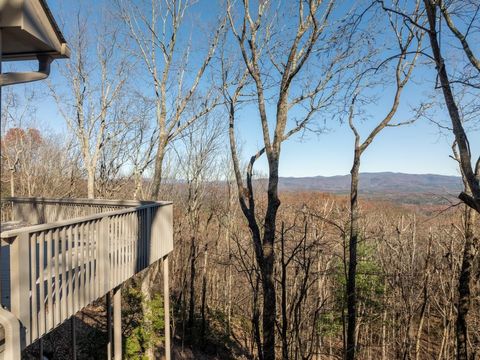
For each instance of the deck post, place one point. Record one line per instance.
(166, 301)
(20, 284)
(117, 323)
(11, 328)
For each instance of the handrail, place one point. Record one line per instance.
(81, 201)
(42, 211)
(53, 225)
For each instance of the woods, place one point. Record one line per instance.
(166, 99)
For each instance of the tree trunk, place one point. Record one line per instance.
(424, 305)
(191, 304)
(91, 183)
(12, 183)
(464, 286)
(229, 285)
(352, 264)
(268, 282)
(384, 321)
(138, 186)
(157, 175)
(284, 297)
(204, 293)
(269, 309)
(256, 324)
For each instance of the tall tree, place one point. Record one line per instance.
(197, 159)
(405, 57)
(181, 95)
(465, 276)
(469, 170)
(429, 18)
(453, 81)
(276, 55)
(95, 78)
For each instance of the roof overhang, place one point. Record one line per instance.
(29, 31)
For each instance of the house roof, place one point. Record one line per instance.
(29, 30)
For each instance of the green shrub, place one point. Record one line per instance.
(149, 326)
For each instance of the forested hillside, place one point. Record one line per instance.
(380, 183)
(207, 104)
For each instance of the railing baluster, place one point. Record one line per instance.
(142, 238)
(153, 232)
(56, 304)
(132, 241)
(97, 259)
(145, 239)
(87, 262)
(103, 256)
(119, 251)
(125, 247)
(81, 260)
(137, 237)
(111, 251)
(121, 242)
(41, 282)
(116, 247)
(93, 227)
(122, 252)
(63, 240)
(70, 303)
(148, 239)
(49, 281)
(75, 254)
(33, 281)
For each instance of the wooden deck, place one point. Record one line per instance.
(75, 252)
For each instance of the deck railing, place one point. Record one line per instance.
(55, 269)
(46, 210)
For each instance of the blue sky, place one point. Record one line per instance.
(417, 148)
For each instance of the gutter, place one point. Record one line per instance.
(11, 78)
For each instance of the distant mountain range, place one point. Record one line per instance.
(382, 183)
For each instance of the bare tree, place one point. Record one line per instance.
(430, 18)
(179, 100)
(469, 170)
(465, 275)
(409, 47)
(433, 11)
(96, 77)
(273, 56)
(16, 115)
(197, 152)
(141, 144)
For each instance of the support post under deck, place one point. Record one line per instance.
(117, 323)
(166, 297)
